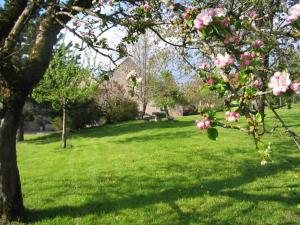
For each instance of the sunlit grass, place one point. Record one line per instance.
(160, 173)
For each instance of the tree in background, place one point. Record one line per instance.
(195, 101)
(64, 83)
(166, 91)
(114, 104)
(141, 53)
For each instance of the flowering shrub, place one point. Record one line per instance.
(244, 49)
(239, 45)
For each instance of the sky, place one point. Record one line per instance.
(114, 37)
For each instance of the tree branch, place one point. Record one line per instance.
(291, 134)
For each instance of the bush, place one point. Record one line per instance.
(84, 114)
(80, 115)
(114, 103)
(119, 109)
(57, 124)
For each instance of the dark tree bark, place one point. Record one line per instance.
(166, 111)
(20, 132)
(11, 201)
(19, 83)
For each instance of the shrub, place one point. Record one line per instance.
(119, 109)
(80, 115)
(84, 114)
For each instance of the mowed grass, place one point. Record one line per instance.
(160, 173)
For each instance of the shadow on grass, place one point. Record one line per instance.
(249, 171)
(44, 139)
(111, 130)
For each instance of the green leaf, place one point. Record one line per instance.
(204, 89)
(242, 77)
(189, 23)
(258, 117)
(212, 133)
(233, 109)
(212, 114)
(106, 77)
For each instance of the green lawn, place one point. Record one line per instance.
(160, 173)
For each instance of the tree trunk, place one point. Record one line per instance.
(64, 134)
(20, 133)
(11, 201)
(144, 109)
(166, 111)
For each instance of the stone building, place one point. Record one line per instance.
(119, 76)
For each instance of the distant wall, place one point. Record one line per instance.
(39, 123)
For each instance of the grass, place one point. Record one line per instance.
(160, 173)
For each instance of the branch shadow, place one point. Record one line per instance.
(100, 203)
(110, 130)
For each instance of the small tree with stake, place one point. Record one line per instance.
(64, 83)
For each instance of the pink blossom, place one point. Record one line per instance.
(246, 55)
(186, 16)
(252, 14)
(77, 23)
(293, 13)
(203, 124)
(190, 10)
(236, 39)
(100, 2)
(258, 83)
(204, 18)
(204, 66)
(223, 60)
(198, 23)
(279, 83)
(225, 22)
(227, 39)
(220, 12)
(235, 76)
(210, 81)
(207, 123)
(258, 43)
(246, 63)
(295, 87)
(146, 7)
(232, 116)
